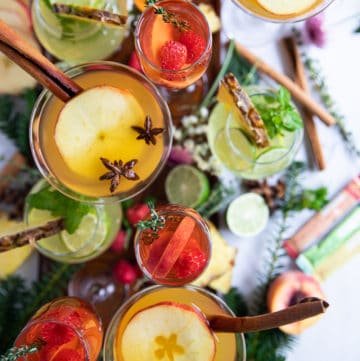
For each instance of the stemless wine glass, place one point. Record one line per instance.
(229, 346)
(66, 328)
(178, 252)
(81, 180)
(78, 40)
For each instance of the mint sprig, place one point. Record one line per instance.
(59, 206)
(278, 113)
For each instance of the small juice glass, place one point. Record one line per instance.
(83, 182)
(178, 252)
(94, 235)
(152, 33)
(76, 40)
(229, 346)
(68, 329)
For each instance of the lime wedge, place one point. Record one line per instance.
(247, 215)
(187, 186)
(233, 149)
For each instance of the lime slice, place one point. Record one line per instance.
(187, 186)
(233, 149)
(247, 215)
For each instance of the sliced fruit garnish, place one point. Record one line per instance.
(234, 96)
(91, 125)
(68, 354)
(56, 334)
(173, 55)
(175, 247)
(168, 331)
(286, 7)
(157, 249)
(187, 186)
(247, 215)
(89, 14)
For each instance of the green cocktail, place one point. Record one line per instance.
(73, 39)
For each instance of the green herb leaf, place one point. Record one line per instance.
(59, 206)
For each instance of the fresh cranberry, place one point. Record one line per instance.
(190, 263)
(173, 55)
(137, 213)
(125, 272)
(195, 45)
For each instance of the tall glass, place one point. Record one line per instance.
(94, 235)
(68, 329)
(82, 182)
(239, 154)
(75, 40)
(229, 347)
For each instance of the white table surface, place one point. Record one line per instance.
(336, 336)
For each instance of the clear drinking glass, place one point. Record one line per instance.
(75, 40)
(82, 182)
(229, 346)
(67, 327)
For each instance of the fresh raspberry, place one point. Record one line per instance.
(56, 334)
(124, 272)
(68, 354)
(190, 263)
(134, 62)
(195, 45)
(119, 242)
(137, 213)
(173, 55)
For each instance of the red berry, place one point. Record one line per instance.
(56, 334)
(190, 263)
(136, 213)
(173, 55)
(68, 354)
(195, 45)
(134, 62)
(124, 272)
(119, 242)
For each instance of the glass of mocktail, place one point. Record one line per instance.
(169, 335)
(109, 142)
(77, 40)
(66, 328)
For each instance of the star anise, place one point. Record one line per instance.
(148, 132)
(117, 170)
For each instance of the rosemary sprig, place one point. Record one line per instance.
(168, 17)
(16, 352)
(155, 222)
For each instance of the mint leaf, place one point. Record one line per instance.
(59, 206)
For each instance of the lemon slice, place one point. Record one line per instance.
(247, 215)
(286, 7)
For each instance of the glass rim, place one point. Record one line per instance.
(156, 67)
(177, 209)
(138, 295)
(43, 165)
(294, 19)
(296, 141)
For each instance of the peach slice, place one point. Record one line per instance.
(168, 331)
(286, 7)
(290, 288)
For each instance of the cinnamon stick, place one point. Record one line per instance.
(37, 65)
(308, 307)
(295, 90)
(11, 169)
(23, 238)
(300, 79)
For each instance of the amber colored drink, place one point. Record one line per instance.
(229, 347)
(177, 253)
(152, 33)
(255, 8)
(68, 329)
(82, 181)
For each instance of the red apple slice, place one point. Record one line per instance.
(20, 14)
(286, 7)
(174, 248)
(168, 331)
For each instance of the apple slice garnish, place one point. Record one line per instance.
(93, 124)
(174, 247)
(286, 7)
(168, 331)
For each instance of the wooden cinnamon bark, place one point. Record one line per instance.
(37, 65)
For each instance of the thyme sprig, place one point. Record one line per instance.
(16, 352)
(168, 17)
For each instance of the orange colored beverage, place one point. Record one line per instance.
(179, 251)
(67, 328)
(228, 346)
(174, 56)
